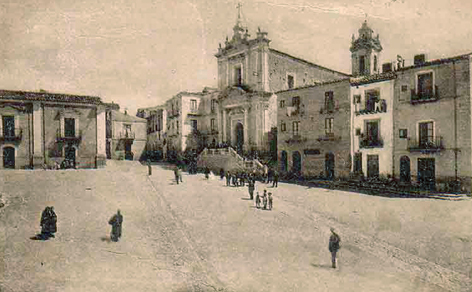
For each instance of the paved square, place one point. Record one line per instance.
(203, 236)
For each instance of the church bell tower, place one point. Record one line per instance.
(365, 52)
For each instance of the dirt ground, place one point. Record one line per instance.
(203, 236)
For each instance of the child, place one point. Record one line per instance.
(258, 200)
(264, 199)
(270, 201)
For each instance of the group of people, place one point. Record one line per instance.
(238, 178)
(266, 198)
(48, 225)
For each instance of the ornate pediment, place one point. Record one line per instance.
(13, 107)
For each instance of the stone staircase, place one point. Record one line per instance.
(228, 159)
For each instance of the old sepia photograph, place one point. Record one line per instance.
(235, 146)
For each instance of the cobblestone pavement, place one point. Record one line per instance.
(203, 236)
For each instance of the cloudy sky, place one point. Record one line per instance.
(139, 53)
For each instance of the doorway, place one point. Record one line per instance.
(427, 173)
(239, 134)
(329, 165)
(297, 162)
(9, 157)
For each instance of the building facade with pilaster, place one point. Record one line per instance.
(249, 74)
(41, 129)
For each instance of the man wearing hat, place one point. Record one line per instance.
(334, 241)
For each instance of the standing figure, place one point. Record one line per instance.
(176, 174)
(264, 200)
(48, 223)
(276, 179)
(270, 201)
(116, 222)
(207, 172)
(251, 187)
(334, 241)
(258, 200)
(228, 178)
(179, 172)
(222, 173)
(149, 167)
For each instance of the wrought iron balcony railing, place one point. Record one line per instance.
(11, 135)
(426, 145)
(127, 135)
(328, 137)
(378, 107)
(67, 137)
(370, 142)
(418, 97)
(295, 139)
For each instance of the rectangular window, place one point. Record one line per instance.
(426, 134)
(194, 125)
(283, 127)
(8, 126)
(213, 125)
(404, 88)
(371, 98)
(425, 85)
(329, 126)
(193, 105)
(357, 98)
(361, 65)
(296, 127)
(296, 101)
(69, 127)
(358, 132)
(238, 76)
(403, 133)
(329, 101)
(282, 103)
(290, 81)
(213, 105)
(177, 126)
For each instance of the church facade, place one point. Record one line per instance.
(249, 74)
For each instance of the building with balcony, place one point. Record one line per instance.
(432, 122)
(250, 72)
(127, 136)
(42, 128)
(190, 122)
(313, 130)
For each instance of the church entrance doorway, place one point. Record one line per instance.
(239, 134)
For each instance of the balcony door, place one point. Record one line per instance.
(8, 126)
(69, 127)
(426, 134)
(372, 131)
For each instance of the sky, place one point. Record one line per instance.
(140, 53)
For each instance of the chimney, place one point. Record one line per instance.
(386, 67)
(419, 59)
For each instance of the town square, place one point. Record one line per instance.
(230, 145)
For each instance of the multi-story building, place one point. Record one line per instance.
(249, 72)
(190, 117)
(42, 128)
(314, 130)
(156, 124)
(127, 136)
(432, 122)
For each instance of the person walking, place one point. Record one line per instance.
(258, 200)
(276, 179)
(222, 173)
(116, 223)
(270, 201)
(207, 172)
(334, 245)
(48, 223)
(251, 186)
